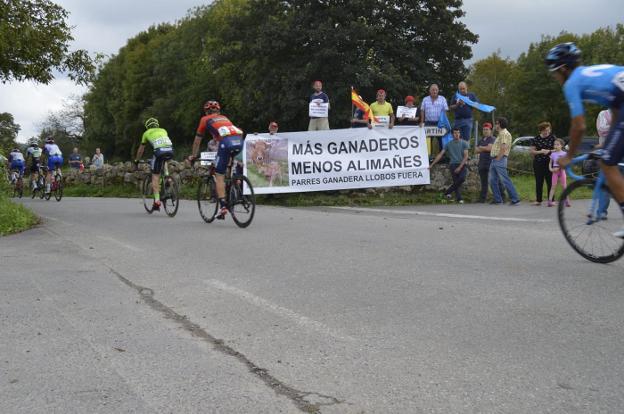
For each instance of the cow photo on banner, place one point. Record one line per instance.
(336, 159)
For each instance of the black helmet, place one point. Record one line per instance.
(564, 54)
(15, 150)
(49, 140)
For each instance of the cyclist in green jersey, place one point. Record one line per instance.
(163, 151)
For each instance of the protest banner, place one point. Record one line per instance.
(336, 159)
(319, 109)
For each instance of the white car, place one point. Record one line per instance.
(521, 144)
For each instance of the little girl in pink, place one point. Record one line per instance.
(558, 173)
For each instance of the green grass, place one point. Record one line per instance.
(92, 190)
(13, 217)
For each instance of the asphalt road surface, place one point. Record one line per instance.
(422, 309)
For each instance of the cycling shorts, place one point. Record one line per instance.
(19, 166)
(55, 161)
(228, 147)
(614, 144)
(35, 165)
(158, 160)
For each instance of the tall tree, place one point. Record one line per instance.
(34, 41)
(8, 132)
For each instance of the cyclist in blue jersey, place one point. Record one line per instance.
(601, 84)
(16, 161)
(55, 159)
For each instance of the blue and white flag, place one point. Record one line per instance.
(481, 107)
(444, 123)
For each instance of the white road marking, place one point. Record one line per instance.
(120, 243)
(447, 215)
(285, 313)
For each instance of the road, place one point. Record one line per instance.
(419, 309)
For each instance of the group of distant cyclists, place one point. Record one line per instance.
(34, 153)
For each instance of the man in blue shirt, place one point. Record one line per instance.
(601, 84)
(463, 112)
(75, 159)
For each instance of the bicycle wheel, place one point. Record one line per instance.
(171, 200)
(48, 194)
(58, 192)
(42, 187)
(587, 231)
(207, 200)
(148, 194)
(242, 206)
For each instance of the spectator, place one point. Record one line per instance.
(498, 167)
(603, 126)
(98, 159)
(431, 108)
(75, 160)
(463, 112)
(409, 102)
(558, 173)
(458, 154)
(318, 97)
(541, 147)
(382, 108)
(273, 127)
(358, 120)
(483, 148)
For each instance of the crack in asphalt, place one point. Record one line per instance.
(298, 397)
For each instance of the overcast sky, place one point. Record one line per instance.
(105, 26)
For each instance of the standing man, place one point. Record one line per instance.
(318, 97)
(484, 147)
(458, 154)
(382, 108)
(98, 159)
(498, 167)
(463, 112)
(75, 159)
(431, 108)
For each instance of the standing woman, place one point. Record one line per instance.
(541, 147)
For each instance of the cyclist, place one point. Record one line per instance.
(34, 152)
(230, 140)
(163, 151)
(16, 161)
(601, 84)
(55, 159)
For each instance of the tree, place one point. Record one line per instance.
(8, 132)
(66, 125)
(34, 41)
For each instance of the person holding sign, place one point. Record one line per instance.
(319, 108)
(382, 111)
(458, 153)
(408, 114)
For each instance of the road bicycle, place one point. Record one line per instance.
(588, 225)
(56, 185)
(239, 194)
(40, 188)
(169, 191)
(17, 182)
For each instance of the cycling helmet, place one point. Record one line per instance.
(151, 123)
(212, 106)
(564, 54)
(15, 150)
(34, 145)
(49, 140)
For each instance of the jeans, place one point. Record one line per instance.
(458, 180)
(465, 127)
(499, 175)
(484, 174)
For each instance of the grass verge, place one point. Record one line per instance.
(14, 217)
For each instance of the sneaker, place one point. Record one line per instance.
(156, 205)
(515, 203)
(460, 201)
(619, 233)
(536, 203)
(222, 213)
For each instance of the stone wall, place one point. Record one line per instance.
(126, 173)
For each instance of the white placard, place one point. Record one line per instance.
(381, 120)
(406, 112)
(319, 109)
(431, 131)
(209, 157)
(336, 159)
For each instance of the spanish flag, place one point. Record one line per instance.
(359, 103)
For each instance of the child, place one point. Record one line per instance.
(558, 174)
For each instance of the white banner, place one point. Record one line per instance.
(336, 159)
(319, 109)
(406, 112)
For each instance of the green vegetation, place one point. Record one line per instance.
(13, 217)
